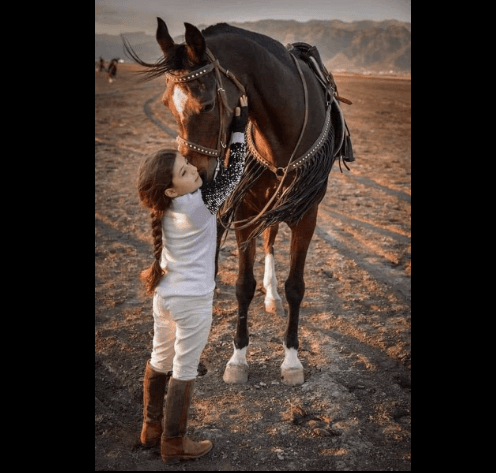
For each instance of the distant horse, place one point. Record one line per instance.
(296, 131)
(112, 70)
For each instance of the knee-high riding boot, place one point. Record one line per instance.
(154, 390)
(175, 445)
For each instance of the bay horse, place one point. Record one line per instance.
(295, 132)
(112, 70)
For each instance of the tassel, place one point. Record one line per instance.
(348, 150)
(342, 99)
(346, 153)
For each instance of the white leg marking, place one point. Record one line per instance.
(179, 98)
(239, 357)
(236, 371)
(291, 360)
(269, 280)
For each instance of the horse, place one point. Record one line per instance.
(112, 70)
(296, 130)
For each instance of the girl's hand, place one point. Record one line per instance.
(243, 100)
(241, 115)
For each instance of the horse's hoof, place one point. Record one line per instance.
(235, 374)
(274, 306)
(292, 376)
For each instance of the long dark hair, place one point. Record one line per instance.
(154, 177)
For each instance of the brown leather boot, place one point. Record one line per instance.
(175, 445)
(154, 390)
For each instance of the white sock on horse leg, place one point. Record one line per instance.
(291, 360)
(239, 356)
(270, 280)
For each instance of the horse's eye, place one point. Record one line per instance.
(208, 107)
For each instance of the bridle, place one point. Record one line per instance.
(224, 107)
(294, 163)
(214, 65)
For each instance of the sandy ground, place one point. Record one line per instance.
(353, 413)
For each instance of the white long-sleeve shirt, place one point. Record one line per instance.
(189, 231)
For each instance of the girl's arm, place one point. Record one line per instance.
(215, 192)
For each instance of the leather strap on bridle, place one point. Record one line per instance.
(224, 107)
(228, 74)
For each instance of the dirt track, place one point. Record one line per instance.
(353, 412)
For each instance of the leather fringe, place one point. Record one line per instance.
(307, 188)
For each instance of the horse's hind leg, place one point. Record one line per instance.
(237, 368)
(301, 235)
(273, 302)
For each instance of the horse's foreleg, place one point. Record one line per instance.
(301, 235)
(273, 302)
(237, 367)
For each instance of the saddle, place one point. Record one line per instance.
(310, 55)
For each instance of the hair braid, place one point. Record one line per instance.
(152, 275)
(157, 233)
(154, 177)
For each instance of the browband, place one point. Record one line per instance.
(191, 75)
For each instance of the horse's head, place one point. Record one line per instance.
(203, 112)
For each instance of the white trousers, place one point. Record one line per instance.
(180, 332)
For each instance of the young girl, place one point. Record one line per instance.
(181, 280)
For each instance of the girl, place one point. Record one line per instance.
(181, 280)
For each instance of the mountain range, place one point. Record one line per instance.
(373, 47)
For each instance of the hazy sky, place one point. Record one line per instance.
(127, 16)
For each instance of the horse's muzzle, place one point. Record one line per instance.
(203, 175)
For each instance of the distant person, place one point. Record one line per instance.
(101, 66)
(112, 70)
(182, 282)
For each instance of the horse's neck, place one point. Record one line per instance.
(275, 99)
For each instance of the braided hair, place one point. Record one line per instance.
(154, 177)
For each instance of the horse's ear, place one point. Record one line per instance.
(163, 37)
(195, 43)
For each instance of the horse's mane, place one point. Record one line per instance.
(270, 44)
(172, 61)
(225, 28)
(176, 57)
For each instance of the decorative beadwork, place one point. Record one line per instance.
(215, 192)
(302, 159)
(307, 186)
(200, 149)
(190, 75)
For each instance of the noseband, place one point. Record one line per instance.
(223, 104)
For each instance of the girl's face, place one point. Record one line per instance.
(185, 178)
